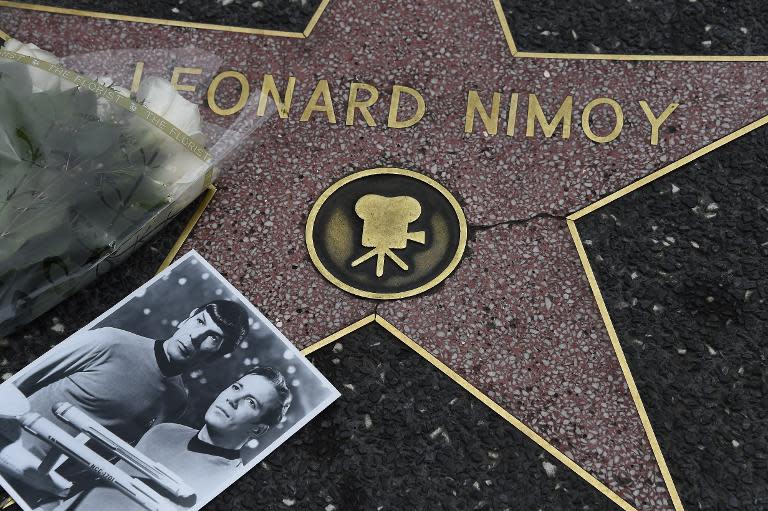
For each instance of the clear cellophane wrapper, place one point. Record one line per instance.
(89, 171)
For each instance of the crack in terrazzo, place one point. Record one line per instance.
(475, 228)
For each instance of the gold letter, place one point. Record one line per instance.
(321, 89)
(585, 120)
(137, 77)
(564, 114)
(363, 105)
(491, 122)
(245, 91)
(178, 71)
(656, 122)
(512, 115)
(394, 106)
(268, 88)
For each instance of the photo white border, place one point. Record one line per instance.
(333, 395)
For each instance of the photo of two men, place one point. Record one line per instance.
(161, 403)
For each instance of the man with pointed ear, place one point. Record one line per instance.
(208, 458)
(127, 382)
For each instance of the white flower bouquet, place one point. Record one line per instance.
(86, 174)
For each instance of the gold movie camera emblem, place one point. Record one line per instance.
(385, 227)
(386, 233)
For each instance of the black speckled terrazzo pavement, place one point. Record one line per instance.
(405, 436)
(657, 27)
(290, 15)
(683, 266)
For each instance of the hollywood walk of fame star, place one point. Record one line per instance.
(517, 319)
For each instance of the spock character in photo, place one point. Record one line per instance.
(208, 458)
(127, 382)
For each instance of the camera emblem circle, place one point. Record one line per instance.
(386, 233)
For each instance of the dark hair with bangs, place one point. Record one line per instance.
(232, 318)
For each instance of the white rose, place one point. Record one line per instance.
(180, 172)
(159, 96)
(182, 176)
(42, 81)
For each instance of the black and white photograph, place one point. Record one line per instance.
(160, 403)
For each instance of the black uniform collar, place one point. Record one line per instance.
(163, 363)
(197, 445)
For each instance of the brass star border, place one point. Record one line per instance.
(174, 23)
(487, 401)
(570, 219)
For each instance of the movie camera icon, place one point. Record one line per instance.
(385, 228)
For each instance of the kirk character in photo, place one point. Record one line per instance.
(204, 458)
(162, 401)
